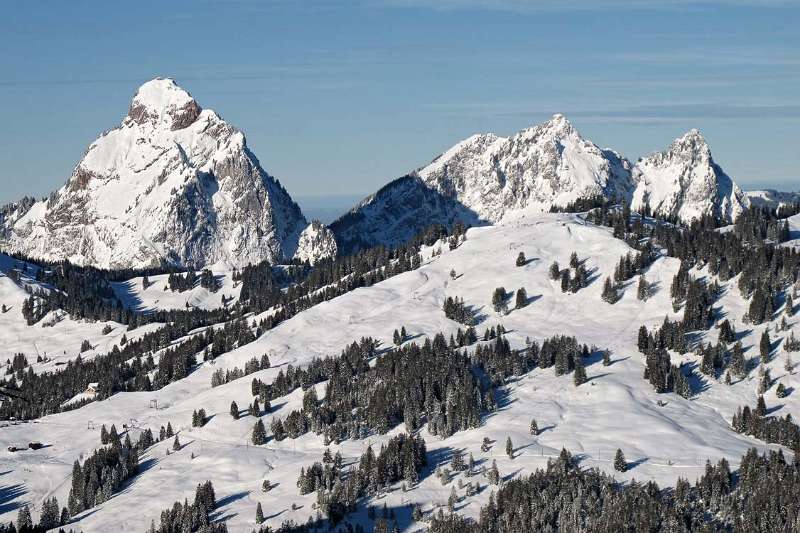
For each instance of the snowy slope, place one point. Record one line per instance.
(685, 182)
(608, 412)
(157, 295)
(57, 337)
(172, 183)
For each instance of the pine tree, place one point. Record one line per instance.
(643, 291)
(170, 433)
(259, 433)
(534, 427)
(620, 464)
(606, 358)
(493, 474)
(573, 260)
(761, 407)
(396, 338)
(234, 411)
(555, 271)
(765, 346)
(580, 372)
(176, 444)
(521, 259)
(738, 364)
(499, 300)
(780, 391)
(259, 514)
(521, 298)
(24, 521)
(609, 292)
(509, 448)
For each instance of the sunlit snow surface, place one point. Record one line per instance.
(616, 408)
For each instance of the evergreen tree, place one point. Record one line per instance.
(573, 260)
(534, 427)
(234, 411)
(509, 448)
(610, 294)
(738, 364)
(493, 474)
(259, 514)
(499, 300)
(521, 298)
(259, 433)
(521, 259)
(555, 271)
(24, 521)
(50, 516)
(606, 358)
(643, 291)
(580, 373)
(761, 407)
(176, 444)
(620, 464)
(765, 346)
(565, 281)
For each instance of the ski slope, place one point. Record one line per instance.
(157, 296)
(617, 408)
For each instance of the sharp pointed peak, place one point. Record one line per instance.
(161, 101)
(691, 141)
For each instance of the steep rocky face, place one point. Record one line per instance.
(486, 178)
(172, 183)
(684, 182)
(547, 165)
(771, 198)
(316, 242)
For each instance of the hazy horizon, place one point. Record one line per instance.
(343, 97)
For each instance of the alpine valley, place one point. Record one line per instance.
(528, 333)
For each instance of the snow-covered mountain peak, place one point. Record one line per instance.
(684, 182)
(691, 144)
(557, 127)
(316, 242)
(486, 177)
(162, 103)
(172, 183)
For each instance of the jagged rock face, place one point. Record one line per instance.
(486, 178)
(540, 167)
(684, 182)
(173, 183)
(316, 242)
(771, 198)
(396, 213)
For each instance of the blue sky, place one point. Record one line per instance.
(339, 97)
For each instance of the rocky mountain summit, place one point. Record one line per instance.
(684, 182)
(316, 242)
(173, 183)
(486, 179)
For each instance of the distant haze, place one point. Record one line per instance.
(327, 208)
